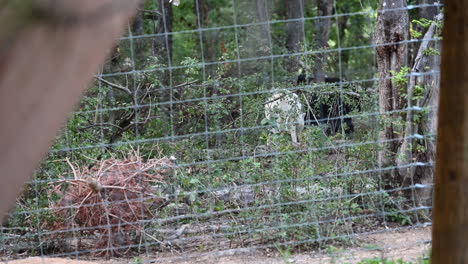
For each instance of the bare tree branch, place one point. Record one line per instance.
(119, 87)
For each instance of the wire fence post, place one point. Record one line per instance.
(450, 218)
(51, 89)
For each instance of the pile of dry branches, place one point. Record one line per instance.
(112, 197)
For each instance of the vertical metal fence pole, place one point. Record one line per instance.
(450, 216)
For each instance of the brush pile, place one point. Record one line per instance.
(112, 198)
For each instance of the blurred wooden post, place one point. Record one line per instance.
(49, 51)
(450, 214)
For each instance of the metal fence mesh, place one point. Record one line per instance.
(169, 155)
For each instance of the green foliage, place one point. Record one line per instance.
(423, 22)
(209, 114)
(285, 253)
(431, 51)
(400, 78)
(418, 92)
(415, 34)
(386, 261)
(393, 207)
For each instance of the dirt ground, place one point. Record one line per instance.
(409, 245)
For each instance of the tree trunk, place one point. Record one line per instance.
(295, 31)
(162, 48)
(322, 27)
(428, 123)
(209, 38)
(258, 39)
(139, 43)
(262, 10)
(164, 25)
(428, 12)
(392, 28)
(428, 126)
(342, 22)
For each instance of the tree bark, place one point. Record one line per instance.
(138, 44)
(258, 39)
(209, 38)
(322, 27)
(392, 28)
(428, 12)
(164, 25)
(295, 31)
(162, 48)
(427, 124)
(262, 10)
